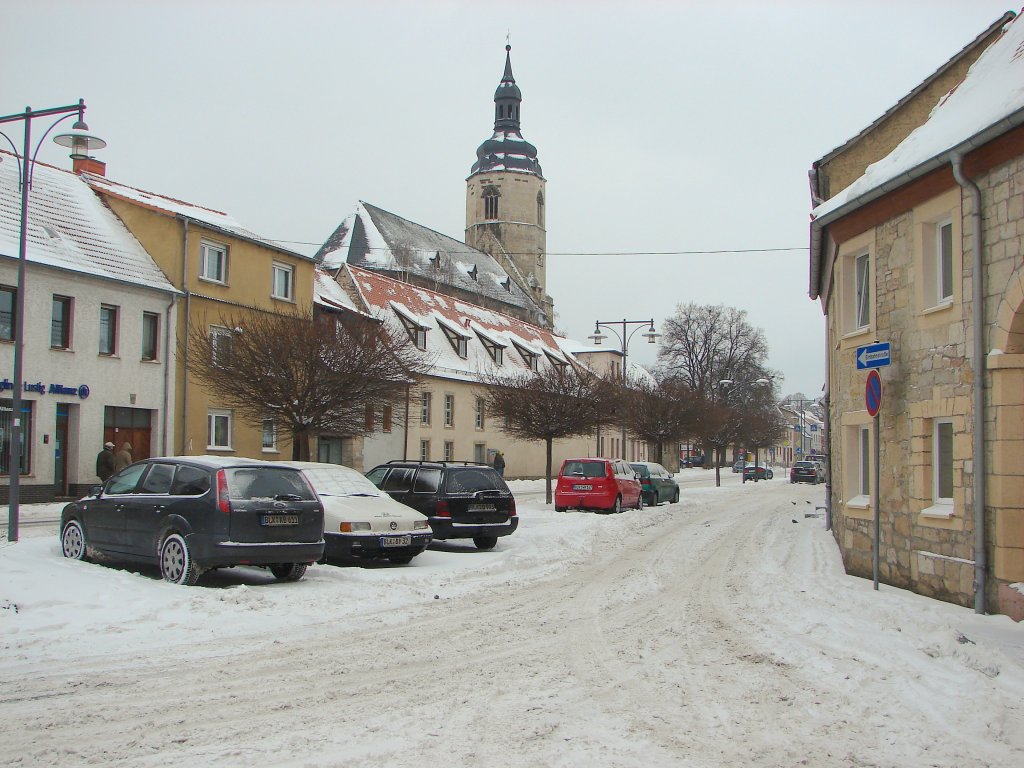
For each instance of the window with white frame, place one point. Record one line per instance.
(269, 435)
(60, 323)
(424, 450)
(944, 261)
(479, 413)
(426, 400)
(942, 462)
(108, 330)
(862, 291)
(449, 410)
(449, 450)
(417, 333)
(283, 282)
(218, 429)
(459, 342)
(150, 335)
(864, 461)
(213, 262)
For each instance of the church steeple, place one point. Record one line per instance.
(507, 149)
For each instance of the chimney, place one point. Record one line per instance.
(88, 165)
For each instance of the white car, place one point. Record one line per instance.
(360, 520)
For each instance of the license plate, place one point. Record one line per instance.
(482, 508)
(279, 519)
(583, 487)
(395, 541)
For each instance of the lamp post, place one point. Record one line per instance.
(624, 338)
(80, 142)
(733, 386)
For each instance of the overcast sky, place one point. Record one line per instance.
(660, 126)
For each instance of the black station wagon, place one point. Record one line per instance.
(462, 500)
(192, 514)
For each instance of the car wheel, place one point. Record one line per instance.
(400, 559)
(485, 542)
(560, 509)
(617, 508)
(675, 497)
(176, 564)
(72, 541)
(640, 501)
(288, 571)
(655, 500)
(770, 474)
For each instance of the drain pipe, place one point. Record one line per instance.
(185, 334)
(978, 338)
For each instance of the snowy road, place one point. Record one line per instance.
(717, 632)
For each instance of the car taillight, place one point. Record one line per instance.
(223, 499)
(442, 510)
(512, 510)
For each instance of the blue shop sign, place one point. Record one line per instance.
(81, 391)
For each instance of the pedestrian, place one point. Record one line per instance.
(499, 463)
(105, 462)
(123, 457)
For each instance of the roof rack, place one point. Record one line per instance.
(421, 462)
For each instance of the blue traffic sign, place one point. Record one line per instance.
(874, 355)
(873, 393)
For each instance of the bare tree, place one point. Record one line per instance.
(558, 402)
(662, 412)
(308, 376)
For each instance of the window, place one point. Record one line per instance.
(425, 401)
(459, 343)
(424, 450)
(479, 413)
(218, 430)
(220, 344)
(449, 450)
(944, 260)
(496, 352)
(8, 312)
(60, 323)
(864, 462)
(283, 282)
(6, 411)
(449, 410)
(190, 481)
(417, 333)
(150, 334)
(540, 213)
(491, 202)
(269, 435)
(427, 481)
(158, 480)
(386, 418)
(213, 262)
(369, 418)
(942, 462)
(862, 288)
(529, 357)
(108, 330)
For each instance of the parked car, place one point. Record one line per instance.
(361, 522)
(461, 500)
(598, 484)
(190, 514)
(738, 466)
(656, 482)
(757, 472)
(694, 460)
(807, 472)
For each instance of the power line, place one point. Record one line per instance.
(584, 253)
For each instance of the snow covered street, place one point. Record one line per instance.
(720, 631)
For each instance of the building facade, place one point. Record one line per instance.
(924, 251)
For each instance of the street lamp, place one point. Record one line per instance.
(80, 141)
(734, 386)
(624, 338)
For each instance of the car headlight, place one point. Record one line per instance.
(351, 527)
(418, 524)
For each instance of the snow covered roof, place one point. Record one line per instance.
(70, 228)
(327, 293)
(387, 299)
(990, 96)
(209, 217)
(376, 239)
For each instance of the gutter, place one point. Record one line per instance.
(978, 393)
(979, 139)
(167, 376)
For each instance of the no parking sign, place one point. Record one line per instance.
(873, 392)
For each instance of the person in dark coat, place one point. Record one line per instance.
(105, 462)
(499, 463)
(123, 457)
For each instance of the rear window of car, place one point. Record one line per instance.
(584, 469)
(190, 481)
(641, 469)
(473, 479)
(427, 481)
(805, 464)
(249, 483)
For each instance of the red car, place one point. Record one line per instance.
(599, 484)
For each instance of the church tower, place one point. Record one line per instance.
(505, 198)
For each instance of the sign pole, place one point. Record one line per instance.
(877, 536)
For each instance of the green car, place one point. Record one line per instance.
(657, 483)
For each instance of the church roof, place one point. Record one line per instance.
(507, 150)
(376, 239)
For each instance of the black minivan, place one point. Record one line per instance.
(191, 514)
(462, 500)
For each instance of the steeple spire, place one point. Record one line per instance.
(507, 149)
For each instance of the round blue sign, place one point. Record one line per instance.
(873, 392)
(83, 391)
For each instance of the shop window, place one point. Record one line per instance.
(6, 412)
(8, 312)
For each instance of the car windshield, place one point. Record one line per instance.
(336, 480)
(249, 483)
(473, 479)
(584, 468)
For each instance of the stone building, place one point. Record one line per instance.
(924, 250)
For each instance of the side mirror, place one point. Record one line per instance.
(95, 490)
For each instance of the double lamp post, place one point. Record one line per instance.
(80, 142)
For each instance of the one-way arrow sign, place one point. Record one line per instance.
(874, 355)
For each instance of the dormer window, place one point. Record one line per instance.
(417, 333)
(531, 359)
(459, 342)
(495, 350)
